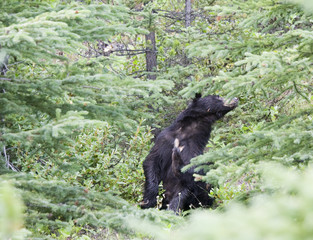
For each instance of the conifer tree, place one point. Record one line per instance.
(70, 108)
(51, 89)
(48, 86)
(259, 52)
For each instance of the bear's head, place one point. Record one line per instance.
(213, 104)
(209, 106)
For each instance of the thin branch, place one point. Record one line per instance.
(300, 93)
(139, 76)
(6, 79)
(135, 72)
(14, 79)
(130, 54)
(129, 50)
(7, 161)
(16, 63)
(92, 87)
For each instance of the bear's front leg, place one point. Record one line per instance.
(178, 202)
(152, 180)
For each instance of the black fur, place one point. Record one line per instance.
(174, 147)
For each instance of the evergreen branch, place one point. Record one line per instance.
(15, 80)
(300, 93)
(6, 79)
(112, 68)
(92, 87)
(15, 63)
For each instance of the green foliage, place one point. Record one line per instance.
(282, 211)
(283, 214)
(71, 113)
(11, 208)
(276, 141)
(225, 194)
(267, 65)
(47, 72)
(58, 209)
(50, 132)
(97, 158)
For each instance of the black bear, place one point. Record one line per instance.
(174, 147)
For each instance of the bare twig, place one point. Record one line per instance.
(7, 161)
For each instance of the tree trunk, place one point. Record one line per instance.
(188, 13)
(186, 60)
(151, 55)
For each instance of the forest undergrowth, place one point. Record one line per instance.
(85, 86)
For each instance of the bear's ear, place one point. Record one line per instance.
(198, 95)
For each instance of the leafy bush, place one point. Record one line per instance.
(100, 158)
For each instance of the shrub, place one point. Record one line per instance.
(100, 158)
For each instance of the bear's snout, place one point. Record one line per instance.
(233, 103)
